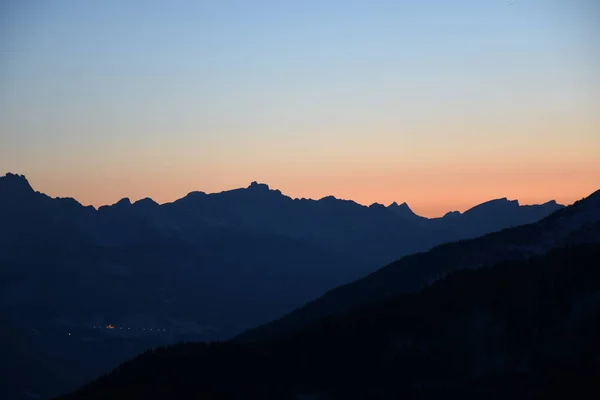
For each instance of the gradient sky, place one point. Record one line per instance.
(442, 104)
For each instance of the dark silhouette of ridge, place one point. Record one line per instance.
(403, 209)
(375, 235)
(15, 185)
(579, 223)
(259, 186)
(146, 204)
(518, 329)
(452, 214)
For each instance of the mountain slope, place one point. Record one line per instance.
(578, 223)
(521, 329)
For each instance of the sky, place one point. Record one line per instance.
(440, 104)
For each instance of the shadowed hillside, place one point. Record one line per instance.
(521, 329)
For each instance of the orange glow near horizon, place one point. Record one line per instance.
(430, 191)
(436, 166)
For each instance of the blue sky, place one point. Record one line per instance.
(439, 103)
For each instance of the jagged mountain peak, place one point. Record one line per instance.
(123, 202)
(403, 209)
(14, 183)
(258, 186)
(452, 214)
(403, 206)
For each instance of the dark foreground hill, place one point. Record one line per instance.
(521, 329)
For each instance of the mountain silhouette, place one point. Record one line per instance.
(206, 266)
(374, 235)
(13, 186)
(405, 211)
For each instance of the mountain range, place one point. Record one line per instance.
(204, 267)
(375, 235)
(511, 314)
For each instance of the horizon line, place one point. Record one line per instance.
(258, 183)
